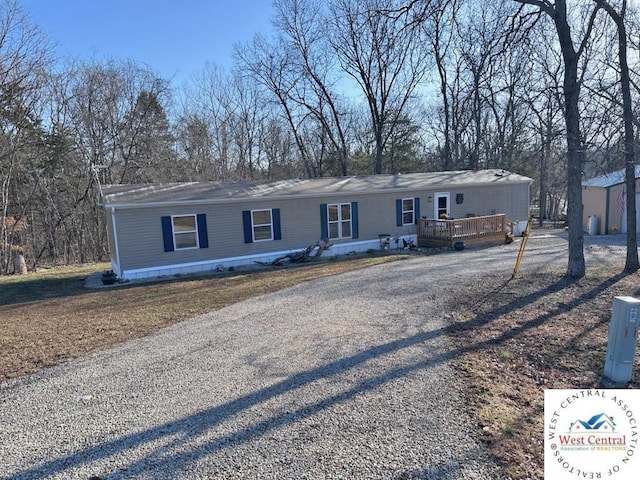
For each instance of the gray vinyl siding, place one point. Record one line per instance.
(141, 240)
(512, 200)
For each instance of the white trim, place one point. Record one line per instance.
(339, 221)
(174, 233)
(413, 210)
(254, 225)
(247, 260)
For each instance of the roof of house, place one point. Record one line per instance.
(609, 180)
(201, 192)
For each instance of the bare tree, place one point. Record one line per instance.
(381, 53)
(631, 264)
(440, 30)
(115, 108)
(207, 113)
(271, 67)
(248, 115)
(302, 25)
(571, 55)
(24, 56)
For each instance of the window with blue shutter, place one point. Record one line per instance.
(182, 232)
(167, 234)
(354, 220)
(277, 231)
(248, 229)
(406, 213)
(203, 237)
(324, 225)
(261, 225)
(339, 220)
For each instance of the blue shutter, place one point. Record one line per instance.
(167, 234)
(203, 237)
(324, 222)
(248, 231)
(354, 219)
(416, 208)
(399, 221)
(275, 218)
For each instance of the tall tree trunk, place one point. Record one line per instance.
(575, 155)
(631, 263)
(576, 264)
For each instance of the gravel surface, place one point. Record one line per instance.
(347, 377)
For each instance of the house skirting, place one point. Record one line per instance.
(243, 261)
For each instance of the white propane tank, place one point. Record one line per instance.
(522, 227)
(593, 225)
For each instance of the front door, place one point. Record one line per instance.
(441, 204)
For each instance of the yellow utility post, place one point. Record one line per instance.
(523, 245)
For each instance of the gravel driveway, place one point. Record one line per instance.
(344, 377)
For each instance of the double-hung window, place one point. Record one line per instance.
(182, 232)
(339, 220)
(261, 225)
(408, 211)
(185, 232)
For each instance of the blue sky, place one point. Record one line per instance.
(174, 37)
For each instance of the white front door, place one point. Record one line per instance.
(441, 204)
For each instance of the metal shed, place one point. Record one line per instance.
(604, 203)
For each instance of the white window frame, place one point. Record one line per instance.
(436, 197)
(255, 225)
(185, 232)
(340, 221)
(412, 211)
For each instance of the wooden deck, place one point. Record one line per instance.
(486, 230)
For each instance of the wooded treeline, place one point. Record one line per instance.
(339, 87)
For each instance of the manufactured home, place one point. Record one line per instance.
(604, 203)
(168, 229)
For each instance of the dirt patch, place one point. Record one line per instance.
(523, 336)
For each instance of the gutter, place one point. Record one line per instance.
(606, 211)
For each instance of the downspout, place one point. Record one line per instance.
(115, 241)
(606, 211)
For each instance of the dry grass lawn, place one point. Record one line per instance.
(523, 336)
(49, 317)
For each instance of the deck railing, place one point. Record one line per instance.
(472, 230)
